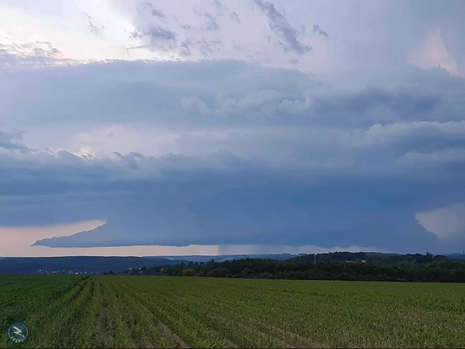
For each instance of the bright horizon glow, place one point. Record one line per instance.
(13, 246)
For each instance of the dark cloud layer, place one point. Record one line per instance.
(263, 156)
(8, 140)
(348, 213)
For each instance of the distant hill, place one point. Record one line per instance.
(80, 265)
(222, 258)
(100, 265)
(456, 256)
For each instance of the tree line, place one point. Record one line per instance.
(336, 266)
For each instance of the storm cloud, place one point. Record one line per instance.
(232, 153)
(234, 123)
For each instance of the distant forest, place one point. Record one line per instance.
(347, 266)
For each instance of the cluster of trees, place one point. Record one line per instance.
(416, 268)
(367, 257)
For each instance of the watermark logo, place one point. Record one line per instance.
(18, 332)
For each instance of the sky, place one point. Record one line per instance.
(230, 127)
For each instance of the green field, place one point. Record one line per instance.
(125, 311)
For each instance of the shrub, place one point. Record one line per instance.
(188, 272)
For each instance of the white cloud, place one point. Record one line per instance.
(273, 33)
(446, 223)
(432, 52)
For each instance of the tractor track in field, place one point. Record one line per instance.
(215, 333)
(297, 340)
(283, 337)
(169, 333)
(164, 329)
(246, 328)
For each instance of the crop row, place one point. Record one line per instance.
(166, 312)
